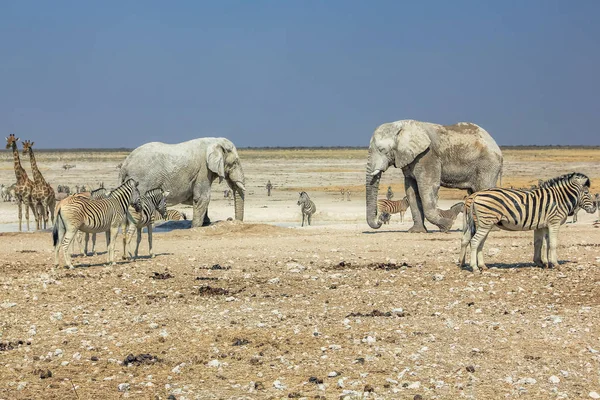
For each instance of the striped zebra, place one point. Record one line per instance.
(172, 215)
(154, 200)
(384, 218)
(98, 194)
(94, 216)
(307, 207)
(597, 198)
(542, 210)
(393, 207)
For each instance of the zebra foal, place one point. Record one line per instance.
(154, 200)
(386, 206)
(94, 216)
(307, 207)
(543, 210)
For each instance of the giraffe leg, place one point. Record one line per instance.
(20, 205)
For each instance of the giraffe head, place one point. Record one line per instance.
(10, 140)
(27, 145)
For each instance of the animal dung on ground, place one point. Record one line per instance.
(140, 359)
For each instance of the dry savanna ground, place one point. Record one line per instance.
(266, 309)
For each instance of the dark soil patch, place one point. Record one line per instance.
(163, 275)
(377, 313)
(240, 342)
(6, 346)
(140, 359)
(206, 278)
(212, 291)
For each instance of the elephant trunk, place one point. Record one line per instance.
(238, 202)
(372, 189)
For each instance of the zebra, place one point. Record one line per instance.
(172, 215)
(80, 213)
(390, 194)
(153, 200)
(597, 198)
(384, 217)
(393, 207)
(307, 206)
(98, 194)
(542, 210)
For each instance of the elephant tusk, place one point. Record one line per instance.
(241, 186)
(376, 172)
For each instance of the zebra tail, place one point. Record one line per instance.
(184, 216)
(469, 220)
(58, 221)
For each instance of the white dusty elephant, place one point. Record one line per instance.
(462, 156)
(187, 170)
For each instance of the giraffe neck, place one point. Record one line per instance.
(19, 171)
(37, 175)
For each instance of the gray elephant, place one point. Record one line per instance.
(462, 156)
(187, 170)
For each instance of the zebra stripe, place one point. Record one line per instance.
(307, 207)
(94, 216)
(152, 201)
(542, 210)
(385, 206)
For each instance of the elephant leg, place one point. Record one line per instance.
(429, 185)
(200, 204)
(416, 208)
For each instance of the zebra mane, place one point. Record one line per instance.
(565, 178)
(153, 191)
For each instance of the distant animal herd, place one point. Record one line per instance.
(157, 175)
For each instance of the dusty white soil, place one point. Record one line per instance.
(328, 310)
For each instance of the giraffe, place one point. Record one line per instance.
(43, 195)
(24, 185)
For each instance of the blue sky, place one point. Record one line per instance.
(296, 73)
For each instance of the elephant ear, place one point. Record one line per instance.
(410, 142)
(215, 160)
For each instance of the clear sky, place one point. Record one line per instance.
(296, 73)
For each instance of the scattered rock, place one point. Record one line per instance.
(374, 313)
(594, 395)
(368, 389)
(214, 363)
(315, 380)
(470, 368)
(124, 387)
(414, 385)
(44, 374)
(94, 358)
(418, 397)
(438, 277)
(278, 385)
(332, 374)
(554, 379)
(219, 267)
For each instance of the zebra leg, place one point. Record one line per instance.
(93, 244)
(302, 219)
(309, 217)
(545, 247)
(538, 247)
(477, 246)
(138, 241)
(114, 231)
(83, 243)
(66, 242)
(464, 244)
(150, 240)
(552, 242)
